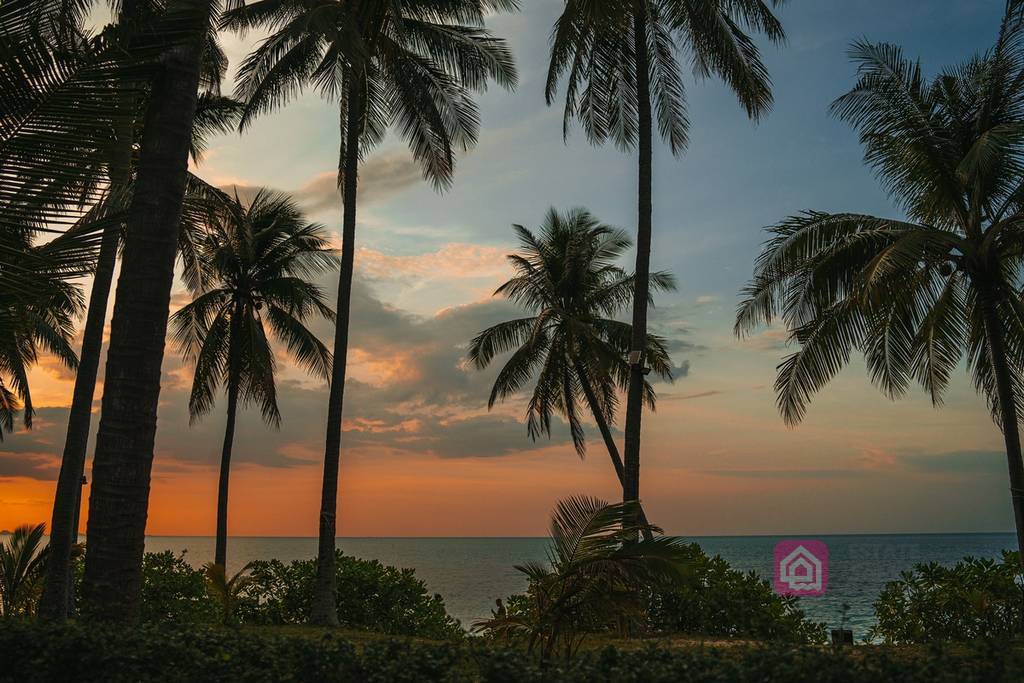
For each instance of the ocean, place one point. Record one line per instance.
(470, 573)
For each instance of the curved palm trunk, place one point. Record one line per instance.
(221, 549)
(602, 424)
(609, 441)
(124, 446)
(57, 599)
(1007, 410)
(324, 610)
(634, 397)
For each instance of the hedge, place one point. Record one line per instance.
(33, 652)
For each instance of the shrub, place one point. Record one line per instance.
(33, 652)
(716, 600)
(174, 591)
(371, 596)
(974, 599)
(712, 599)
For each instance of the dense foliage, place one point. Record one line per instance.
(173, 591)
(217, 654)
(374, 597)
(716, 600)
(974, 599)
(595, 580)
(710, 599)
(371, 596)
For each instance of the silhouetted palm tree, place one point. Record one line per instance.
(75, 112)
(596, 576)
(258, 259)
(38, 307)
(413, 64)
(571, 346)
(915, 296)
(124, 445)
(620, 58)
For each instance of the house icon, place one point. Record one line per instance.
(801, 570)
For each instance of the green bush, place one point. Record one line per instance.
(716, 600)
(173, 591)
(712, 600)
(371, 596)
(974, 599)
(31, 652)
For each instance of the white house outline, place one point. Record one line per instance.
(803, 558)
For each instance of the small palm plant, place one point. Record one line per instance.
(595, 580)
(915, 296)
(257, 258)
(227, 591)
(22, 562)
(567, 277)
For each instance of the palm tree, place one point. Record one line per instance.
(619, 56)
(124, 445)
(258, 258)
(38, 307)
(568, 279)
(413, 64)
(915, 296)
(214, 114)
(22, 562)
(596, 577)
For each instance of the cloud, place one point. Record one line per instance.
(774, 339)
(681, 370)
(454, 260)
(687, 397)
(789, 474)
(381, 177)
(957, 462)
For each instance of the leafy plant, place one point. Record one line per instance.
(30, 651)
(175, 592)
(974, 599)
(375, 597)
(716, 600)
(227, 591)
(596, 578)
(22, 561)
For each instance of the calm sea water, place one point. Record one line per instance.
(471, 572)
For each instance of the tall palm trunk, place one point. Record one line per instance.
(1007, 409)
(57, 599)
(635, 393)
(609, 441)
(324, 610)
(124, 446)
(221, 549)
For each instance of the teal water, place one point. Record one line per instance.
(470, 573)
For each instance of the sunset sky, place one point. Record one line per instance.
(422, 456)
